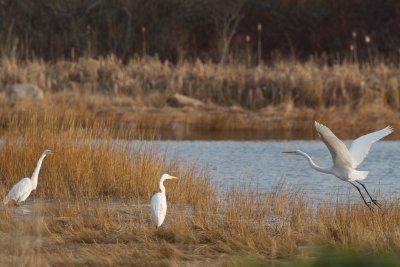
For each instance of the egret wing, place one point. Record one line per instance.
(158, 208)
(20, 189)
(339, 152)
(360, 147)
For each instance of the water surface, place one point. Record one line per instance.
(261, 165)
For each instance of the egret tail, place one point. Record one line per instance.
(358, 175)
(5, 200)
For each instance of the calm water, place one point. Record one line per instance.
(261, 164)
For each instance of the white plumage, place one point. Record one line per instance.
(21, 190)
(360, 147)
(345, 161)
(159, 202)
(158, 208)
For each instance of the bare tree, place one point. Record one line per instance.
(226, 16)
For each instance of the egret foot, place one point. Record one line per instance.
(376, 203)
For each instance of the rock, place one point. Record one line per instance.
(180, 101)
(23, 91)
(235, 109)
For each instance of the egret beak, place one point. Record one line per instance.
(173, 177)
(289, 152)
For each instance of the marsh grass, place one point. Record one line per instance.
(279, 225)
(130, 99)
(91, 205)
(148, 83)
(89, 163)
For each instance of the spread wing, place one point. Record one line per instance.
(360, 147)
(339, 152)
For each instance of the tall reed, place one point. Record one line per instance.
(88, 162)
(313, 84)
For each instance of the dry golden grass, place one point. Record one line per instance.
(91, 204)
(279, 225)
(148, 83)
(264, 101)
(89, 164)
(280, 97)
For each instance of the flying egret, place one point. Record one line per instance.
(21, 190)
(345, 161)
(159, 202)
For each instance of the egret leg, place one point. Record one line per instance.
(373, 200)
(366, 203)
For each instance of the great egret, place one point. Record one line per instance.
(21, 190)
(159, 202)
(345, 161)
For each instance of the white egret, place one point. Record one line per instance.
(21, 190)
(345, 161)
(159, 202)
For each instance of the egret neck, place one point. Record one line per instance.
(35, 174)
(162, 187)
(327, 170)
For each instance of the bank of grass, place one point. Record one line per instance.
(274, 228)
(148, 82)
(281, 96)
(91, 205)
(326, 256)
(89, 163)
(312, 83)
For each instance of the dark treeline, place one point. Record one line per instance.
(218, 30)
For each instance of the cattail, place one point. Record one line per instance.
(144, 41)
(259, 28)
(248, 50)
(89, 43)
(73, 53)
(353, 47)
(367, 40)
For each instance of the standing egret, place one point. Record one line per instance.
(159, 202)
(21, 190)
(345, 161)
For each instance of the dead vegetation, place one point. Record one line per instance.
(150, 82)
(280, 99)
(91, 206)
(279, 225)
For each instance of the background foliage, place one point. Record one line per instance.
(176, 29)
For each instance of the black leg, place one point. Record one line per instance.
(362, 196)
(373, 200)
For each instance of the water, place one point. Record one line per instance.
(261, 164)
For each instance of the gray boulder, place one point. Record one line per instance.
(23, 91)
(180, 101)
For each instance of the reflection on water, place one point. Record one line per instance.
(181, 131)
(22, 210)
(261, 164)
